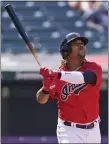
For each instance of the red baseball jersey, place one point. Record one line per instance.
(78, 102)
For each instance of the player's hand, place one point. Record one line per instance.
(45, 72)
(48, 83)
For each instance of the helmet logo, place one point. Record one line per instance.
(78, 34)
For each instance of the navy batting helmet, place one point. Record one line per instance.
(64, 45)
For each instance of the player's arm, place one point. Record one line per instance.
(93, 75)
(89, 76)
(77, 77)
(74, 77)
(42, 96)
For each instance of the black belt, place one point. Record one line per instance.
(90, 126)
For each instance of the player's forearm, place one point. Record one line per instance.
(77, 77)
(72, 77)
(41, 97)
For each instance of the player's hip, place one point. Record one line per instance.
(78, 119)
(77, 133)
(88, 125)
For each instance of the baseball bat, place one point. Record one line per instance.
(21, 30)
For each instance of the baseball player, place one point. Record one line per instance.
(76, 86)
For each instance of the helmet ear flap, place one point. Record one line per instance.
(65, 53)
(63, 44)
(66, 50)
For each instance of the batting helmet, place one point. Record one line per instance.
(64, 45)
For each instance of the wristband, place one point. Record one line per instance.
(45, 92)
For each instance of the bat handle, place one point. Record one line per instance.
(33, 52)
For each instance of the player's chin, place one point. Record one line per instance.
(82, 53)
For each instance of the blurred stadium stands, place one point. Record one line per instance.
(46, 23)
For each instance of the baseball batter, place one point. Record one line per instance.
(76, 86)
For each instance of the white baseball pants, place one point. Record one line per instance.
(70, 134)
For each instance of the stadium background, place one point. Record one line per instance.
(22, 118)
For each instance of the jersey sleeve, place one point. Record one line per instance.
(98, 72)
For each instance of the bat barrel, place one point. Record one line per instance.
(16, 22)
(21, 30)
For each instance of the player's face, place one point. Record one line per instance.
(78, 48)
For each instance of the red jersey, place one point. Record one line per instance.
(78, 102)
